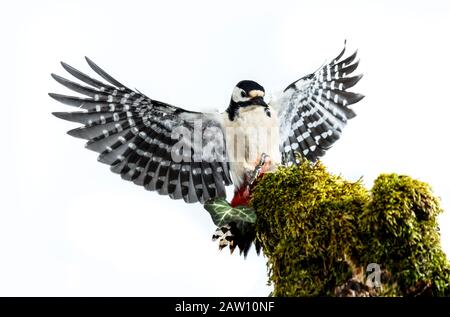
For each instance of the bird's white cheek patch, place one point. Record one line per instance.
(237, 97)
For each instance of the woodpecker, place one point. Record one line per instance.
(192, 155)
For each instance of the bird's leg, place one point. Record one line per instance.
(262, 166)
(242, 196)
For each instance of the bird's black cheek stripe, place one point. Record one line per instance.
(232, 110)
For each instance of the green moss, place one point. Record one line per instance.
(307, 224)
(316, 228)
(399, 230)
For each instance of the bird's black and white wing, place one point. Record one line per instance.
(146, 141)
(313, 110)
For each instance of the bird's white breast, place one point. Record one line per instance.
(250, 134)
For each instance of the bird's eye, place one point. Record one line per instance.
(243, 94)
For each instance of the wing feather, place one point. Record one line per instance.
(314, 109)
(133, 134)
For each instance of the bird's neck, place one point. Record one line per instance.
(232, 110)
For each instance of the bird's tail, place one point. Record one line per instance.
(241, 235)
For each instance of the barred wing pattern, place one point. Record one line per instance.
(314, 109)
(133, 134)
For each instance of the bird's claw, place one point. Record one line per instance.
(258, 168)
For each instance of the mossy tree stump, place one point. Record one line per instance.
(318, 231)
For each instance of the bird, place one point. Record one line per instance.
(193, 155)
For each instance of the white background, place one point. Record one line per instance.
(70, 227)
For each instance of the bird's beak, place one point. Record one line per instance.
(259, 101)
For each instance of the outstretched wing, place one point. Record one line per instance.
(313, 110)
(161, 147)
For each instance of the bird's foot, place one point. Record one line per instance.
(261, 166)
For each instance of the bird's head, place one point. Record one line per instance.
(246, 93)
